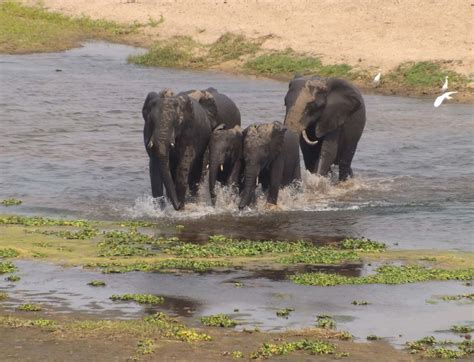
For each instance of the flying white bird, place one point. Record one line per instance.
(444, 88)
(376, 80)
(442, 97)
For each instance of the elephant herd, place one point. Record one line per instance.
(189, 132)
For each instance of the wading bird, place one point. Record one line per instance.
(376, 80)
(444, 88)
(442, 97)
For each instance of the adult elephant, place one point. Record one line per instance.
(329, 114)
(272, 158)
(176, 134)
(225, 157)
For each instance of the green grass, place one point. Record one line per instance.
(461, 329)
(218, 320)
(289, 63)
(373, 337)
(231, 46)
(171, 328)
(7, 267)
(429, 347)
(11, 202)
(139, 298)
(26, 29)
(8, 253)
(42, 221)
(425, 74)
(30, 307)
(165, 265)
(362, 245)
(386, 274)
(3, 296)
(268, 350)
(97, 283)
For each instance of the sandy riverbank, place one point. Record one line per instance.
(372, 35)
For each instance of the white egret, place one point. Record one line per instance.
(444, 88)
(442, 97)
(376, 80)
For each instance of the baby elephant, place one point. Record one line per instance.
(225, 153)
(271, 153)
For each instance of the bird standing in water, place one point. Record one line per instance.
(376, 80)
(444, 88)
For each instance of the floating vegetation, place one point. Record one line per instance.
(41, 221)
(7, 267)
(431, 348)
(96, 283)
(122, 243)
(461, 329)
(325, 322)
(11, 202)
(83, 234)
(171, 328)
(3, 296)
(238, 284)
(458, 297)
(30, 307)
(268, 350)
(362, 245)
(320, 256)
(360, 302)
(373, 337)
(199, 266)
(218, 320)
(386, 274)
(13, 278)
(285, 312)
(8, 253)
(139, 298)
(145, 346)
(344, 336)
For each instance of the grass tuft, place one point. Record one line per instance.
(218, 320)
(139, 298)
(268, 350)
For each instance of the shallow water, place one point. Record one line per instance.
(398, 313)
(71, 145)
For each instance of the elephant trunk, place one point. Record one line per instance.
(250, 184)
(214, 166)
(294, 116)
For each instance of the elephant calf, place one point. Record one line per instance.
(225, 153)
(272, 157)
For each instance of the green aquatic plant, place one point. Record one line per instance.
(13, 278)
(320, 256)
(268, 350)
(285, 312)
(469, 297)
(3, 296)
(171, 328)
(325, 322)
(8, 253)
(41, 221)
(145, 346)
(83, 234)
(139, 298)
(429, 347)
(96, 283)
(125, 243)
(362, 245)
(344, 336)
(30, 307)
(386, 274)
(218, 320)
(360, 302)
(373, 337)
(7, 267)
(461, 329)
(11, 202)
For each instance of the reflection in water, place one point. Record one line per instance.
(71, 145)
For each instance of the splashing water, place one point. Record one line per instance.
(312, 193)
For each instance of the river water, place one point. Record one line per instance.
(71, 145)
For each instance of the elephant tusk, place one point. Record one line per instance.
(207, 167)
(150, 145)
(172, 144)
(305, 137)
(222, 168)
(256, 183)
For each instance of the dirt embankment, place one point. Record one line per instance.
(375, 35)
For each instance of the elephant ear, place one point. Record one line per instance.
(149, 102)
(208, 102)
(342, 101)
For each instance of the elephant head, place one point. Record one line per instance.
(164, 115)
(225, 151)
(322, 103)
(262, 145)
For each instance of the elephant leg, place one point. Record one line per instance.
(276, 175)
(345, 161)
(195, 176)
(234, 173)
(328, 152)
(155, 178)
(183, 170)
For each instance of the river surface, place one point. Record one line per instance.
(71, 145)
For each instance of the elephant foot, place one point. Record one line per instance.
(272, 207)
